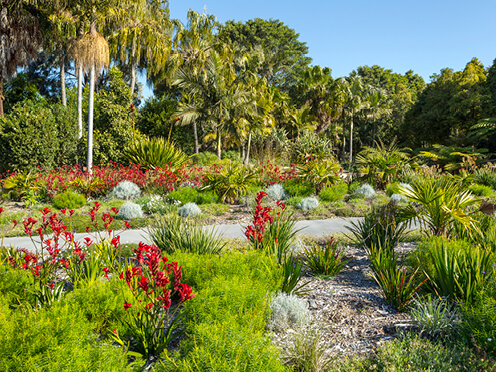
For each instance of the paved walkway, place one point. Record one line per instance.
(305, 227)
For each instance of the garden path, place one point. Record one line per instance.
(305, 227)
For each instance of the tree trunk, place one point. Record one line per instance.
(80, 100)
(133, 76)
(219, 153)
(351, 140)
(247, 158)
(63, 98)
(343, 159)
(89, 158)
(2, 98)
(195, 134)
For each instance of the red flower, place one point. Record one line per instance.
(106, 270)
(149, 306)
(186, 292)
(15, 223)
(127, 305)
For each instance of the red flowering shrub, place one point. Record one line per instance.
(154, 284)
(271, 173)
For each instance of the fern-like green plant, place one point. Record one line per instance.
(155, 153)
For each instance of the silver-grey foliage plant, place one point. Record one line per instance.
(130, 210)
(126, 190)
(277, 192)
(288, 311)
(434, 316)
(189, 210)
(366, 190)
(307, 204)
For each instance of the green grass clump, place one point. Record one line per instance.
(69, 199)
(334, 193)
(298, 187)
(481, 190)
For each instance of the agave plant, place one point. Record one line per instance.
(438, 203)
(155, 153)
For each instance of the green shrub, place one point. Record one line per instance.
(54, 339)
(16, 286)
(481, 190)
(232, 182)
(297, 187)
(205, 158)
(69, 199)
(153, 204)
(334, 193)
(478, 325)
(184, 195)
(412, 354)
(232, 155)
(294, 200)
(226, 320)
(35, 133)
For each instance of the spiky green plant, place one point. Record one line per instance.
(155, 153)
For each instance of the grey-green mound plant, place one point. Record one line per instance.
(129, 211)
(365, 190)
(307, 204)
(288, 311)
(189, 210)
(277, 192)
(398, 198)
(126, 190)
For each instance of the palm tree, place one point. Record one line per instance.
(355, 101)
(214, 91)
(377, 106)
(91, 52)
(317, 91)
(191, 49)
(20, 38)
(142, 36)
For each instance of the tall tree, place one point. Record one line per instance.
(284, 57)
(20, 38)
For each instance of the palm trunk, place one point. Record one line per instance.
(133, 76)
(80, 100)
(195, 134)
(351, 140)
(219, 143)
(89, 157)
(247, 158)
(343, 159)
(63, 98)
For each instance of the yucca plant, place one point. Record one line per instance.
(438, 203)
(155, 153)
(327, 260)
(232, 182)
(173, 234)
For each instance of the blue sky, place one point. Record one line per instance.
(421, 35)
